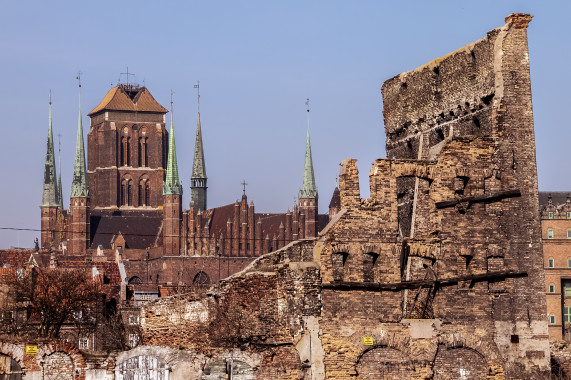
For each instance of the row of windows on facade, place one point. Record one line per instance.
(551, 263)
(566, 316)
(550, 234)
(551, 214)
(144, 198)
(83, 342)
(142, 153)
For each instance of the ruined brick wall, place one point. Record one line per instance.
(442, 268)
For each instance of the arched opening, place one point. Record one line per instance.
(384, 363)
(9, 368)
(141, 367)
(201, 278)
(135, 280)
(459, 363)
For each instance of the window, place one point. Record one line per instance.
(568, 234)
(567, 314)
(20, 272)
(550, 233)
(551, 263)
(551, 288)
(133, 340)
(552, 319)
(83, 343)
(77, 315)
(568, 263)
(134, 320)
(567, 287)
(550, 214)
(568, 214)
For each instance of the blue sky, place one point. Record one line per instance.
(257, 62)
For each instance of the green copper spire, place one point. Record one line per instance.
(308, 188)
(79, 184)
(198, 166)
(172, 184)
(198, 178)
(50, 194)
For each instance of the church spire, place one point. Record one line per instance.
(79, 184)
(172, 184)
(59, 188)
(308, 188)
(50, 194)
(198, 178)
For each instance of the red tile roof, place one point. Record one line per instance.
(124, 98)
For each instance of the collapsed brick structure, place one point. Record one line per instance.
(437, 275)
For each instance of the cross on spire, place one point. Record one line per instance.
(78, 77)
(126, 74)
(244, 184)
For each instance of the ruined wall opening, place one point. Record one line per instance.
(142, 367)
(384, 363)
(228, 369)
(9, 368)
(459, 363)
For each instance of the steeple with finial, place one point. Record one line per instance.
(308, 205)
(198, 178)
(308, 188)
(172, 184)
(59, 188)
(50, 194)
(79, 187)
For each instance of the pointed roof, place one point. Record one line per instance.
(79, 184)
(129, 98)
(308, 188)
(198, 165)
(50, 194)
(60, 193)
(335, 199)
(172, 184)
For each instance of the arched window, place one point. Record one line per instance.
(126, 192)
(125, 148)
(143, 155)
(141, 194)
(201, 278)
(144, 191)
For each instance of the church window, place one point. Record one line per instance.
(129, 194)
(141, 195)
(123, 190)
(143, 155)
(147, 193)
(126, 192)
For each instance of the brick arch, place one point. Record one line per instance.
(452, 363)
(410, 169)
(47, 351)
(13, 351)
(384, 361)
(485, 348)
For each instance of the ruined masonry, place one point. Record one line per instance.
(437, 276)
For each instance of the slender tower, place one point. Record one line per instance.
(172, 200)
(308, 193)
(198, 179)
(50, 194)
(79, 199)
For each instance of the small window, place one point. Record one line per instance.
(551, 262)
(568, 214)
(567, 314)
(567, 287)
(568, 263)
(551, 288)
(134, 320)
(550, 233)
(133, 340)
(83, 343)
(550, 214)
(568, 234)
(552, 319)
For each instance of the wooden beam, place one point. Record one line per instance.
(493, 197)
(346, 285)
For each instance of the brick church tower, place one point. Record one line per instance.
(51, 207)
(172, 198)
(127, 150)
(78, 224)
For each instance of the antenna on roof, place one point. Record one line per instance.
(197, 86)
